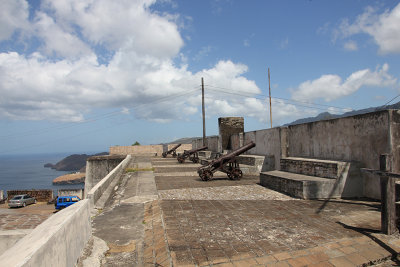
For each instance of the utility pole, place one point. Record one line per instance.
(203, 110)
(270, 104)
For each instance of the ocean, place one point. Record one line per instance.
(26, 172)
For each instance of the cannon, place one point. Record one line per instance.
(172, 150)
(191, 154)
(226, 163)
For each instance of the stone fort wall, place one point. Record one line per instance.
(360, 138)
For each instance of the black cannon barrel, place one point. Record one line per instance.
(194, 150)
(234, 153)
(175, 147)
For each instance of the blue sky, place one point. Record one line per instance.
(82, 75)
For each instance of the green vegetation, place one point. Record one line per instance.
(136, 144)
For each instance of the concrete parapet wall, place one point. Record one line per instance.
(314, 167)
(212, 143)
(41, 195)
(269, 142)
(98, 167)
(96, 192)
(394, 132)
(58, 241)
(360, 138)
(151, 150)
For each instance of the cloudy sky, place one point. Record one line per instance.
(83, 75)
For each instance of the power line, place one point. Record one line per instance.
(303, 104)
(265, 96)
(94, 118)
(392, 99)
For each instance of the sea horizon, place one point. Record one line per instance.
(27, 172)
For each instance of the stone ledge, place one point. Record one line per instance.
(298, 185)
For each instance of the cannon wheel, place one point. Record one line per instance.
(206, 175)
(174, 154)
(181, 159)
(195, 160)
(164, 155)
(237, 174)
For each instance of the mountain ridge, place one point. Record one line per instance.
(328, 116)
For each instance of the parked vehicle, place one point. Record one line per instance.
(21, 201)
(65, 201)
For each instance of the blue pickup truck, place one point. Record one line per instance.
(65, 201)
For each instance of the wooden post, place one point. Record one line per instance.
(203, 111)
(388, 197)
(270, 103)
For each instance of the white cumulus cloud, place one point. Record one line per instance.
(384, 28)
(330, 86)
(13, 16)
(64, 78)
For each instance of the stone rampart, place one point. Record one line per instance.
(271, 143)
(360, 138)
(97, 191)
(151, 150)
(212, 143)
(98, 167)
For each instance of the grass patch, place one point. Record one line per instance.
(139, 170)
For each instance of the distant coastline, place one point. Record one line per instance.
(75, 162)
(26, 172)
(73, 178)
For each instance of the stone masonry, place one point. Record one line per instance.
(43, 195)
(227, 127)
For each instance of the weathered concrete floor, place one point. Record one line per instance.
(118, 230)
(235, 223)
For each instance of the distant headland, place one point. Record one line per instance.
(75, 162)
